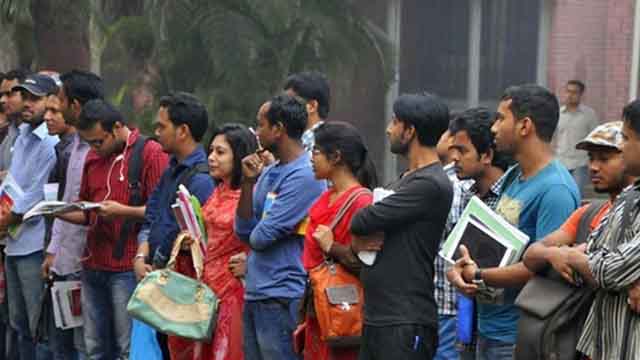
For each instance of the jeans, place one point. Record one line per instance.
(8, 336)
(581, 177)
(268, 328)
(488, 349)
(446, 338)
(66, 344)
(107, 325)
(406, 342)
(24, 294)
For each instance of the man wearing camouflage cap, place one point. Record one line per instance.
(607, 173)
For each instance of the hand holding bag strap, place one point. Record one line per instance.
(196, 254)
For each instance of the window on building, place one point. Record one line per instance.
(469, 51)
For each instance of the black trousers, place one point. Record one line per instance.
(406, 342)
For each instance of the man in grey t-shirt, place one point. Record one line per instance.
(575, 123)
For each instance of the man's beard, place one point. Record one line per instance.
(399, 148)
(613, 188)
(35, 121)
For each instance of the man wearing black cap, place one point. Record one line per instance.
(33, 158)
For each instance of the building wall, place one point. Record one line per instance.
(591, 40)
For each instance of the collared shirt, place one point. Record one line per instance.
(33, 158)
(492, 196)
(444, 292)
(105, 178)
(615, 265)
(160, 227)
(573, 126)
(69, 240)
(309, 138)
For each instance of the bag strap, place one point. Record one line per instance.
(196, 255)
(584, 226)
(185, 177)
(347, 204)
(134, 174)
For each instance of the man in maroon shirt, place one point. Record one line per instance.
(108, 279)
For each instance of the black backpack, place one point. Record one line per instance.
(134, 175)
(553, 312)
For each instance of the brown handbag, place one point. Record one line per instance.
(338, 295)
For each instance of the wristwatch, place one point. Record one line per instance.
(139, 256)
(477, 278)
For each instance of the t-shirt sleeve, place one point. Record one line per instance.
(556, 205)
(571, 225)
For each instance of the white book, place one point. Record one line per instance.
(65, 297)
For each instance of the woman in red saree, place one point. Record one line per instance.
(339, 156)
(228, 146)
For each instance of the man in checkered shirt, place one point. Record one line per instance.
(475, 169)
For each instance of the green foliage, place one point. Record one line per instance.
(237, 53)
(233, 54)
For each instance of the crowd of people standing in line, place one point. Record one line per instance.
(269, 196)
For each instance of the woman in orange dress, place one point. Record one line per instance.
(229, 145)
(340, 156)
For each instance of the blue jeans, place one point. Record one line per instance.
(488, 349)
(446, 338)
(268, 329)
(66, 344)
(107, 325)
(25, 288)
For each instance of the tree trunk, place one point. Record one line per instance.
(61, 33)
(8, 49)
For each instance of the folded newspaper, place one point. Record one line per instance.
(490, 239)
(59, 207)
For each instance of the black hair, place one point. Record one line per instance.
(289, 111)
(242, 142)
(477, 123)
(426, 113)
(17, 74)
(631, 115)
(82, 86)
(537, 103)
(311, 85)
(99, 111)
(337, 136)
(577, 83)
(185, 108)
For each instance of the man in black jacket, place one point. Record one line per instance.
(400, 316)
